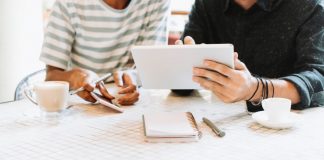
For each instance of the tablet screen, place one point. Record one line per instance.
(170, 67)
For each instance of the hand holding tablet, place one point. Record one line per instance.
(170, 67)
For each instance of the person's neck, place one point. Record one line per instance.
(117, 4)
(246, 4)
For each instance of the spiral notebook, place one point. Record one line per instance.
(170, 127)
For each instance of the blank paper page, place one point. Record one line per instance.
(168, 124)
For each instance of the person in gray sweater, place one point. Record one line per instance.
(279, 45)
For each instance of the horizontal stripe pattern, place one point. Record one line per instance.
(90, 34)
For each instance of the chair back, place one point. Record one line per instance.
(27, 81)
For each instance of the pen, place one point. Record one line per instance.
(210, 124)
(94, 82)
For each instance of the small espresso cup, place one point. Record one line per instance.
(51, 96)
(277, 109)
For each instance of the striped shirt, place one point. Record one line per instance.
(92, 35)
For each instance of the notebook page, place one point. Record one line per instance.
(168, 124)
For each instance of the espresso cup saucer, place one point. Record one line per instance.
(262, 118)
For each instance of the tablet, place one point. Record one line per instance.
(104, 101)
(170, 67)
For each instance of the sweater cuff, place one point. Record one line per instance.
(303, 90)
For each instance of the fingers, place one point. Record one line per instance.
(239, 65)
(220, 68)
(128, 89)
(216, 88)
(214, 76)
(221, 96)
(179, 42)
(88, 87)
(123, 78)
(127, 79)
(104, 92)
(128, 99)
(189, 41)
(86, 96)
(207, 84)
(235, 55)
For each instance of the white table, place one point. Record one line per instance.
(95, 132)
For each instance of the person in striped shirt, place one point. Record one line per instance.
(87, 38)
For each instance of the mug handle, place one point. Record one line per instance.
(28, 95)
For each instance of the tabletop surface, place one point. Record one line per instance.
(95, 132)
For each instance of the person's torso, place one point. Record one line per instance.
(104, 35)
(265, 40)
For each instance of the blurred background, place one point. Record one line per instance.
(21, 35)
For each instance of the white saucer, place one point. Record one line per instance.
(262, 118)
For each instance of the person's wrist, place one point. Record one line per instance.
(71, 78)
(252, 89)
(256, 93)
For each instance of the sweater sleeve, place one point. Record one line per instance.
(309, 67)
(196, 27)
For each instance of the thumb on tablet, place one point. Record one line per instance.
(189, 41)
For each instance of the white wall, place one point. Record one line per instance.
(21, 33)
(177, 22)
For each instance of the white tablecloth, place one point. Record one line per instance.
(95, 132)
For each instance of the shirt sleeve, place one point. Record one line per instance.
(156, 28)
(59, 37)
(309, 67)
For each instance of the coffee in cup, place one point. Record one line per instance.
(51, 96)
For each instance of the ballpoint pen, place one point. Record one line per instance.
(94, 82)
(218, 132)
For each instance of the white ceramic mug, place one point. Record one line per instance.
(51, 96)
(277, 109)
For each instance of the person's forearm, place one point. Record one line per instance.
(282, 88)
(57, 74)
